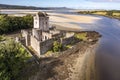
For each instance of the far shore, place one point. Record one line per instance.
(114, 14)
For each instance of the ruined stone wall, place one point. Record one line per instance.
(36, 22)
(46, 45)
(37, 33)
(70, 40)
(26, 35)
(69, 34)
(35, 44)
(41, 22)
(46, 36)
(42, 47)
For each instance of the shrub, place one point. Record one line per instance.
(10, 23)
(2, 38)
(12, 59)
(57, 46)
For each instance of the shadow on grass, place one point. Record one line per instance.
(43, 71)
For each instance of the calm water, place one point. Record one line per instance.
(108, 53)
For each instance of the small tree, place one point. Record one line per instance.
(12, 60)
(2, 38)
(10, 23)
(28, 20)
(57, 46)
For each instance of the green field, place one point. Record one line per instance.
(110, 13)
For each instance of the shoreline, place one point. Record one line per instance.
(69, 65)
(98, 15)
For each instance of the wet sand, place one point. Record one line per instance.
(71, 21)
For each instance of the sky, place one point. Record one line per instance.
(78, 4)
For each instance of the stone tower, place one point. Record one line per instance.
(41, 21)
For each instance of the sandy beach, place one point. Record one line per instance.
(70, 21)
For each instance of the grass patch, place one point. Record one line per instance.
(68, 46)
(50, 52)
(81, 36)
(2, 38)
(109, 13)
(116, 14)
(100, 13)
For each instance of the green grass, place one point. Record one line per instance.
(49, 52)
(111, 13)
(2, 38)
(116, 14)
(100, 13)
(68, 46)
(81, 36)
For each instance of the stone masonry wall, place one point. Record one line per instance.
(35, 44)
(46, 45)
(70, 40)
(42, 47)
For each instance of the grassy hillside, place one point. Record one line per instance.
(4, 6)
(110, 13)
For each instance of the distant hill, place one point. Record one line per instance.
(6, 6)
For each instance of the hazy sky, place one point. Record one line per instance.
(82, 4)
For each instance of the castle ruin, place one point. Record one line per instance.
(42, 36)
